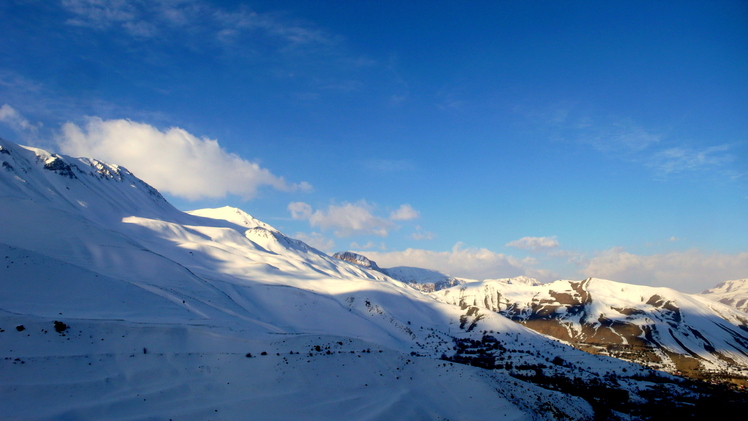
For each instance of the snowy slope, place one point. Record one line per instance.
(167, 314)
(425, 280)
(732, 293)
(656, 326)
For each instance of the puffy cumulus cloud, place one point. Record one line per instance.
(535, 244)
(472, 263)
(346, 219)
(316, 240)
(15, 120)
(173, 161)
(404, 213)
(687, 271)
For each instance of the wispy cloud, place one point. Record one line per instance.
(690, 271)
(619, 137)
(624, 139)
(368, 246)
(472, 263)
(317, 240)
(18, 83)
(16, 121)
(348, 219)
(155, 18)
(233, 23)
(174, 161)
(535, 244)
(420, 234)
(687, 271)
(674, 160)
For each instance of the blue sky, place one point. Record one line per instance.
(484, 139)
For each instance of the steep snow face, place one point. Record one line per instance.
(99, 191)
(167, 312)
(732, 293)
(657, 326)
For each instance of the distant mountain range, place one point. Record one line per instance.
(425, 280)
(116, 305)
(661, 328)
(657, 327)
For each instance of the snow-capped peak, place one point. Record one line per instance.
(732, 293)
(102, 191)
(233, 215)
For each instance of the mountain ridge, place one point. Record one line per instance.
(658, 327)
(733, 293)
(130, 309)
(425, 280)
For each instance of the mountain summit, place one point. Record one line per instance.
(732, 293)
(116, 305)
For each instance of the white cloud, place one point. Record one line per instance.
(316, 240)
(100, 13)
(346, 219)
(621, 137)
(173, 161)
(405, 213)
(472, 263)
(15, 120)
(687, 271)
(420, 234)
(368, 246)
(15, 81)
(154, 18)
(674, 160)
(534, 244)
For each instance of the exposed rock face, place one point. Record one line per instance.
(657, 327)
(357, 259)
(70, 183)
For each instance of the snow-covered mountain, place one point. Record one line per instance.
(658, 327)
(732, 293)
(425, 280)
(116, 305)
